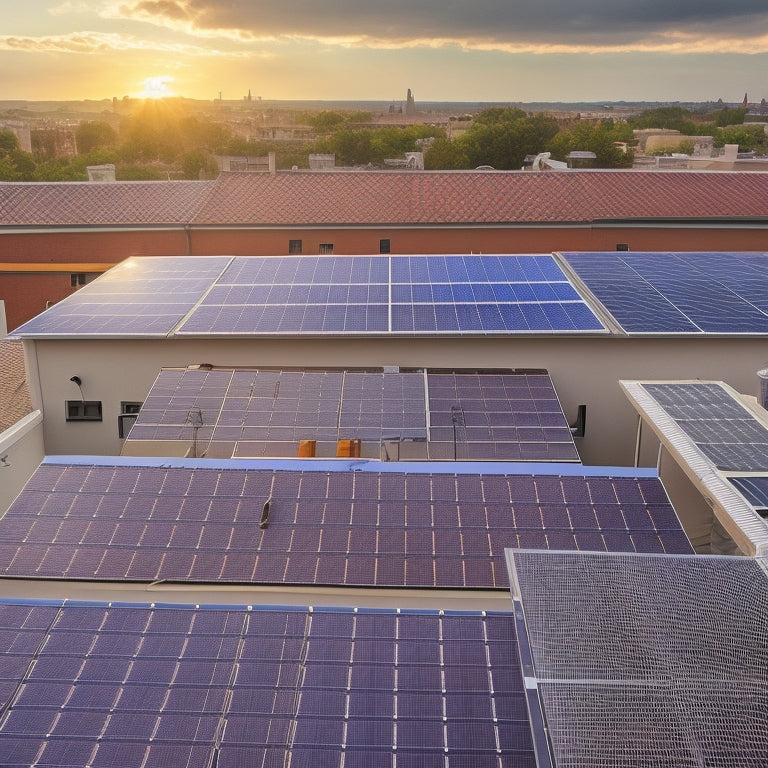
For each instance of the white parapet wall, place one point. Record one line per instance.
(21, 451)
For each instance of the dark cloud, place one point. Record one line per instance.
(607, 22)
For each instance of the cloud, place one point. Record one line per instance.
(509, 25)
(99, 43)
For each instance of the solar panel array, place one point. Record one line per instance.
(144, 296)
(754, 488)
(497, 416)
(653, 660)
(251, 413)
(322, 295)
(361, 528)
(674, 293)
(150, 686)
(729, 435)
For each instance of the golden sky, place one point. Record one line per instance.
(465, 50)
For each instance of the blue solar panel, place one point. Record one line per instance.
(679, 292)
(722, 428)
(132, 299)
(355, 295)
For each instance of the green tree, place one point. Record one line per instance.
(8, 142)
(504, 137)
(727, 116)
(445, 155)
(598, 137)
(94, 135)
(748, 137)
(197, 164)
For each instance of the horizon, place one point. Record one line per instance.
(592, 51)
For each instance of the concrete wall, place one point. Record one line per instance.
(21, 451)
(584, 370)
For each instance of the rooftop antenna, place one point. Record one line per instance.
(195, 418)
(457, 419)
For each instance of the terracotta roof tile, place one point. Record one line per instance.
(110, 203)
(15, 402)
(389, 197)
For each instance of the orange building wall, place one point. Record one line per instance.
(478, 240)
(26, 294)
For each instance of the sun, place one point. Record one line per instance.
(157, 87)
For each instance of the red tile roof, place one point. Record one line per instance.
(94, 204)
(15, 402)
(391, 197)
(423, 198)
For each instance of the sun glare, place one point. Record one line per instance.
(157, 87)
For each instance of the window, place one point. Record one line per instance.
(326, 248)
(294, 246)
(384, 246)
(83, 410)
(128, 413)
(78, 279)
(622, 246)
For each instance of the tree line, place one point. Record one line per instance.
(159, 140)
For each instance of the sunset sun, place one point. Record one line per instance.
(156, 87)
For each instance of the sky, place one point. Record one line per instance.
(444, 50)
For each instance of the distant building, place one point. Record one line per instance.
(410, 104)
(101, 172)
(21, 131)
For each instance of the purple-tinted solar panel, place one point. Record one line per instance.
(268, 412)
(386, 529)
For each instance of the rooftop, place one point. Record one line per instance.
(304, 198)
(15, 401)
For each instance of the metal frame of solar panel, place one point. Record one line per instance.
(643, 659)
(719, 443)
(353, 526)
(721, 427)
(138, 685)
(327, 295)
(678, 293)
(509, 415)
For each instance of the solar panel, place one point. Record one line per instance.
(246, 413)
(718, 293)
(367, 528)
(644, 660)
(727, 433)
(754, 488)
(346, 295)
(144, 296)
(289, 684)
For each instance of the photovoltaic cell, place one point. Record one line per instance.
(754, 489)
(653, 660)
(722, 428)
(346, 295)
(140, 297)
(326, 527)
(719, 293)
(287, 689)
(504, 416)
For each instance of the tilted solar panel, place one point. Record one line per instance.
(718, 293)
(729, 435)
(362, 528)
(273, 686)
(225, 412)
